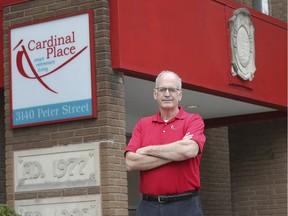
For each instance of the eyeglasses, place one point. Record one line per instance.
(170, 90)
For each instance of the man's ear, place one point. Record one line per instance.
(155, 94)
(180, 95)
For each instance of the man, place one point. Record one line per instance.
(167, 148)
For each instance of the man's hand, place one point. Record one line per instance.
(188, 136)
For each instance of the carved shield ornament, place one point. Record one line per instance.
(242, 44)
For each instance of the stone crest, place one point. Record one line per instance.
(242, 44)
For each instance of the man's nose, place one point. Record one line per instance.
(167, 92)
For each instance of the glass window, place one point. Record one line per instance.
(276, 9)
(261, 5)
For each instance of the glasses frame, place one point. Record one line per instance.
(170, 90)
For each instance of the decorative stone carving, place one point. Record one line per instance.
(88, 205)
(242, 44)
(57, 167)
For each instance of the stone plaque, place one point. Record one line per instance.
(57, 167)
(242, 44)
(65, 206)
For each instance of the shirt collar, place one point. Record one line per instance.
(180, 115)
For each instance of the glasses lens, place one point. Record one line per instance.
(164, 90)
(172, 90)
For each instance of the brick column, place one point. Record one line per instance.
(109, 127)
(215, 190)
(2, 149)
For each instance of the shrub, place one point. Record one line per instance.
(7, 211)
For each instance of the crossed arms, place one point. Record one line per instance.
(153, 156)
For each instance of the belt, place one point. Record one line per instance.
(170, 198)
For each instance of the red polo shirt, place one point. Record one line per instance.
(175, 177)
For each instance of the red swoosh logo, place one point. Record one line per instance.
(19, 62)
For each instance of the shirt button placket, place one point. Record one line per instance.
(164, 133)
(164, 130)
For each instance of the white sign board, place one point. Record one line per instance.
(52, 70)
(57, 167)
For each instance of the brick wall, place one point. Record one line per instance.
(279, 9)
(259, 168)
(245, 2)
(215, 190)
(108, 128)
(257, 178)
(2, 150)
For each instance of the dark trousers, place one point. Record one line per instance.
(187, 207)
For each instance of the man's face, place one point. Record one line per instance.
(167, 93)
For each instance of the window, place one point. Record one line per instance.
(261, 5)
(276, 9)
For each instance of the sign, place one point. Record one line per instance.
(57, 167)
(88, 205)
(52, 70)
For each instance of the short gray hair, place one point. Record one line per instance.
(179, 85)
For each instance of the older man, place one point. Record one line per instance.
(167, 148)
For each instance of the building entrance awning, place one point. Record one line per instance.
(193, 39)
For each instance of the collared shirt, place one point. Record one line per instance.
(175, 177)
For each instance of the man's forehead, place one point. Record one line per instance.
(168, 77)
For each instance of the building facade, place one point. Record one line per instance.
(244, 164)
